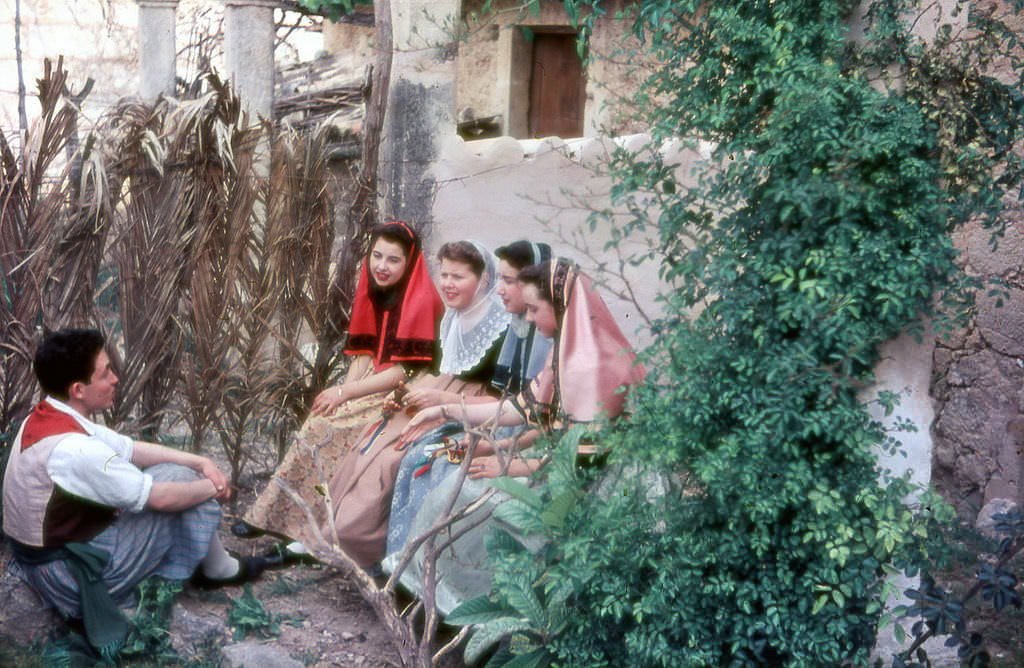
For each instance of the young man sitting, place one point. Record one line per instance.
(85, 522)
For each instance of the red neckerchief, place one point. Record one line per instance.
(46, 420)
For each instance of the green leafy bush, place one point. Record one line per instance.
(819, 231)
(248, 615)
(149, 639)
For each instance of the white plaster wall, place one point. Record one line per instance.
(98, 39)
(905, 367)
(501, 190)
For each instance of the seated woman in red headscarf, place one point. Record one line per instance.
(471, 335)
(588, 369)
(392, 336)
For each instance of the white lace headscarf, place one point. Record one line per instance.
(467, 335)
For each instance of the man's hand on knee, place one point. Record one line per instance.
(210, 471)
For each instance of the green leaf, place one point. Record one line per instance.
(520, 516)
(536, 659)
(491, 633)
(518, 490)
(527, 605)
(558, 509)
(479, 610)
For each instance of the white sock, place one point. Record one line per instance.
(218, 564)
(295, 547)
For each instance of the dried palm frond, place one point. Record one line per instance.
(148, 253)
(52, 226)
(299, 234)
(214, 276)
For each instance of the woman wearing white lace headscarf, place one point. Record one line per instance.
(468, 333)
(471, 335)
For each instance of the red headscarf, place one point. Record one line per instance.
(593, 361)
(398, 324)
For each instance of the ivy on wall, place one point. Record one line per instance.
(819, 231)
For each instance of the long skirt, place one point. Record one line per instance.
(461, 570)
(170, 545)
(323, 438)
(422, 490)
(365, 477)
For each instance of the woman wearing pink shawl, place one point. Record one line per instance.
(590, 366)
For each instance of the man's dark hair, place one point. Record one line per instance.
(66, 357)
(521, 254)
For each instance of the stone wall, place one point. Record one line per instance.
(491, 76)
(978, 381)
(978, 376)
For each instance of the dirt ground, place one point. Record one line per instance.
(322, 619)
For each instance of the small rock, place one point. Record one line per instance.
(188, 630)
(250, 654)
(985, 522)
(24, 617)
(347, 635)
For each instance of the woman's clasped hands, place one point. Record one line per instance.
(423, 398)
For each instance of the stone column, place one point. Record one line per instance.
(421, 107)
(156, 48)
(249, 54)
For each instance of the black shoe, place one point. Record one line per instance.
(243, 529)
(249, 569)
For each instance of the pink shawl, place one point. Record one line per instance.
(592, 358)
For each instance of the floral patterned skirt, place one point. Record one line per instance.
(326, 439)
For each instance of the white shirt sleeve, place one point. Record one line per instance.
(100, 470)
(121, 444)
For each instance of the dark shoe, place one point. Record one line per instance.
(243, 529)
(249, 569)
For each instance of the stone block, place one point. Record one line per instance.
(190, 631)
(24, 617)
(985, 522)
(973, 241)
(249, 654)
(945, 455)
(972, 370)
(1003, 327)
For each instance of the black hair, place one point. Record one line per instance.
(398, 233)
(521, 254)
(66, 357)
(464, 252)
(539, 276)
